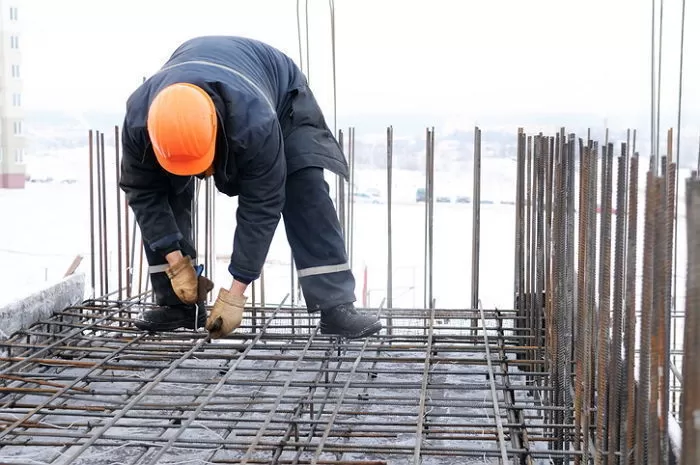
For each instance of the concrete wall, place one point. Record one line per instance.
(22, 313)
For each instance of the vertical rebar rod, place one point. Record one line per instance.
(557, 291)
(658, 78)
(519, 237)
(207, 265)
(668, 244)
(628, 398)
(426, 212)
(212, 248)
(100, 219)
(552, 292)
(105, 230)
(340, 194)
(527, 296)
(580, 355)
(292, 300)
(93, 260)
(657, 317)
(590, 299)
(476, 224)
(532, 271)
(653, 88)
(615, 371)
(431, 212)
(643, 417)
(604, 306)
(548, 229)
(389, 253)
(128, 251)
(566, 337)
(541, 161)
(351, 197)
(690, 402)
(120, 269)
(132, 259)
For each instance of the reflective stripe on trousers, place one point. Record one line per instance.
(323, 269)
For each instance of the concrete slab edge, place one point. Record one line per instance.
(23, 313)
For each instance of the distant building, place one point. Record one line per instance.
(12, 140)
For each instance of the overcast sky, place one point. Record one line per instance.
(425, 57)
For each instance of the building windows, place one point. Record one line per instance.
(18, 128)
(19, 156)
(13, 13)
(16, 100)
(15, 71)
(14, 42)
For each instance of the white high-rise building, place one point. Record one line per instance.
(12, 139)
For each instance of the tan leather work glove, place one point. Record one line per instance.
(184, 280)
(204, 286)
(226, 315)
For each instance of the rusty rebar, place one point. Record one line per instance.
(579, 352)
(628, 394)
(604, 306)
(616, 366)
(643, 415)
(691, 342)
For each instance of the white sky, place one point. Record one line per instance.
(466, 57)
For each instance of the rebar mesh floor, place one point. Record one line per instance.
(84, 387)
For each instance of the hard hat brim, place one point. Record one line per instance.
(189, 168)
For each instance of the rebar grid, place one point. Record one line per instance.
(82, 387)
(437, 386)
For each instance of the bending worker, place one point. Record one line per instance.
(241, 111)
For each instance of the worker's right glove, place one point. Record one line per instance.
(226, 315)
(183, 278)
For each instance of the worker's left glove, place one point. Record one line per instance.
(226, 315)
(184, 281)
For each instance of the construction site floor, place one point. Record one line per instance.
(86, 387)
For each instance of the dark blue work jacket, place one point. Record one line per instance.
(270, 125)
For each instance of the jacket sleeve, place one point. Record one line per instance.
(262, 192)
(147, 188)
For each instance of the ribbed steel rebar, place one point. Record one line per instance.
(643, 416)
(603, 306)
(580, 354)
(691, 346)
(628, 399)
(616, 367)
(566, 338)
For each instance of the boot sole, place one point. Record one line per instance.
(168, 326)
(368, 331)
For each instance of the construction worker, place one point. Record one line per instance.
(241, 111)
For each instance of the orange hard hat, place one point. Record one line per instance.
(182, 127)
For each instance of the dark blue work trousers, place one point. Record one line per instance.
(313, 232)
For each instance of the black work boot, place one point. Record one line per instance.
(345, 321)
(172, 317)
